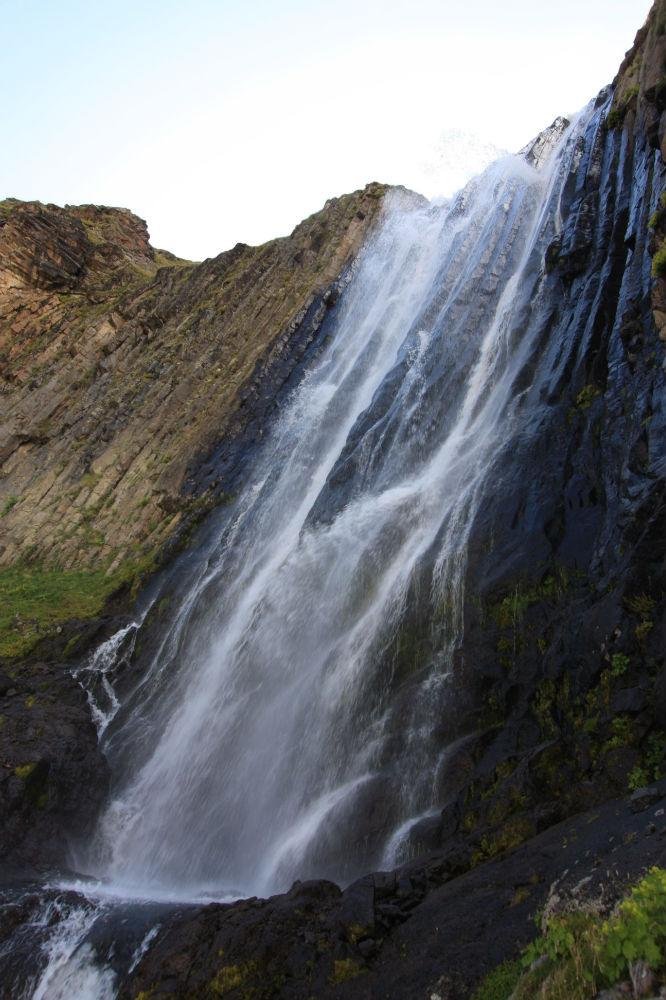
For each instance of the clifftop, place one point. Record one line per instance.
(84, 248)
(640, 84)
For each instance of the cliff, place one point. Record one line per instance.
(122, 369)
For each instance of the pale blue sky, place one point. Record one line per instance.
(225, 121)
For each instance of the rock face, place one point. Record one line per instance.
(422, 931)
(53, 776)
(122, 367)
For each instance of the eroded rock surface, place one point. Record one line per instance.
(53, 776)
(122, 367)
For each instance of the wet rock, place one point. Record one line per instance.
(643, 798)
(53, 777)
(357, 910)
(463, 926)
(367, 947)
(643, 979)
(631, 700)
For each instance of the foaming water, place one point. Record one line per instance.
(66, 963)
(97, 672)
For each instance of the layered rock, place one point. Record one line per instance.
(639, 107)
(123, 368)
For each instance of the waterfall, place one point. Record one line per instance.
(284, 729)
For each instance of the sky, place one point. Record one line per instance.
(222, 122)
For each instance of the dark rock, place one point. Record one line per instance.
(462, 928)
(367, 947)
(53, 777)
(643, 979)
(643, 798)
(357, 909)
(631, 700)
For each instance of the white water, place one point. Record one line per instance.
(70, 966)
(266, 741)
(96, 674)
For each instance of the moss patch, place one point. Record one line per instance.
(35, 601)
(230, 978)
(500, 983)
(345, 969)
(23, 771)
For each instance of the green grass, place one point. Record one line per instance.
(500, 983)
(35, 601)
(8, 505)
(580, 951)
(659, 263)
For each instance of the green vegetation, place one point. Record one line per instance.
(356, 933)
(638, 930)
(658, 217)
(509, 612)
(622, 733)
(587, 396)
(514, 832)
(653, 762)
(659, 263)
(8, 505)
(7, 205)
(643, 606)
(619, 110)
(512, 608)
(580, 952)
(165, 259)
(230, 977)
(23, 771)
(500, 983)
(344, 969)
(619, 664)
(34, 601)
(615, 117)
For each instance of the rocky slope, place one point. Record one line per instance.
(123, 368)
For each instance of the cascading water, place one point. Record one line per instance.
(264, 742)
(285, 727)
